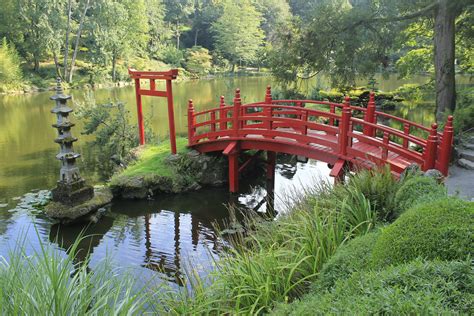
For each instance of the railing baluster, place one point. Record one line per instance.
(431, 148)
(236, 114)
(213, 124)
(304, 119)
(406, 131)
(386, 140)
(446, 146)
(222, 115)
(369, 116)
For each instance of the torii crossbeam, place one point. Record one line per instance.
(153, 76)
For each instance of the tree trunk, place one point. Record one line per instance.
(56, 64)
(196, 37)
(114, 64)
(177, 34)
(66, 44)
(76, 44)
(444, 35)
(36, 63)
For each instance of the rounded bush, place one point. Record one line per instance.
(349, 258)
(442, 229)
(417, 190)
(415, 288)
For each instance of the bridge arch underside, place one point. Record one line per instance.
(361, 155)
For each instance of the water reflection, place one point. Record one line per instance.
(167, 234)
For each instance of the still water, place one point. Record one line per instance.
(146, 236)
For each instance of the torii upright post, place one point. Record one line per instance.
(168, 93)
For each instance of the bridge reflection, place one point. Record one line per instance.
(167, 234)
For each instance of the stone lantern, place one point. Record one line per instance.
(71, 189)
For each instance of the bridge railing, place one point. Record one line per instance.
(335, 127)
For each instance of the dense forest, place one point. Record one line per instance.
(97, 40)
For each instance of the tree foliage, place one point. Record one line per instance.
(237, 32)
(10, 71)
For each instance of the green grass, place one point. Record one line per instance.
(152, 160)
(48, 282)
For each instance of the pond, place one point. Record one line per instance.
(160, 235)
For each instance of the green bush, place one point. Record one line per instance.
(352, 257)
(442, 229)
(379, 187)
(198, 60)
(464, 113)
(172, 56)
(10, 71)
(416, 288)
(417, 190)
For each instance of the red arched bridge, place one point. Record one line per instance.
(344, 136)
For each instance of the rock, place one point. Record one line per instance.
(3, 205)
(467, 164)
(435, 174)
(85, 212)
(467, 154)
(412, 169)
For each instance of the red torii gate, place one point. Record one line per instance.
(153, 76)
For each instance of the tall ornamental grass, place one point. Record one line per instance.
(276, 261)
(51, 283)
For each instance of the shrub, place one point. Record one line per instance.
(379, 187)
(349, 258)
(198, 60)
(10, 71)
(416, 190)
(172, 56)
(442, 229)
(416, 288)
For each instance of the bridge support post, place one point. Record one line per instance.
(271, 163)
(431, 148)
(232, 151)
(234, 172)
(370, 116)
(446, 147)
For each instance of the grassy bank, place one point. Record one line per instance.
(374, 245)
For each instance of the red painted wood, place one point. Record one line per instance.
(369, 116)
(271, 162)
(234, 173)
(446, 146)
(168, 76)
(431, 147)
(141, 127)
(169, 92)
(276, 126)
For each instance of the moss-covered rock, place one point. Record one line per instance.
(443, 229)
(156, 171)
(79, 213)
